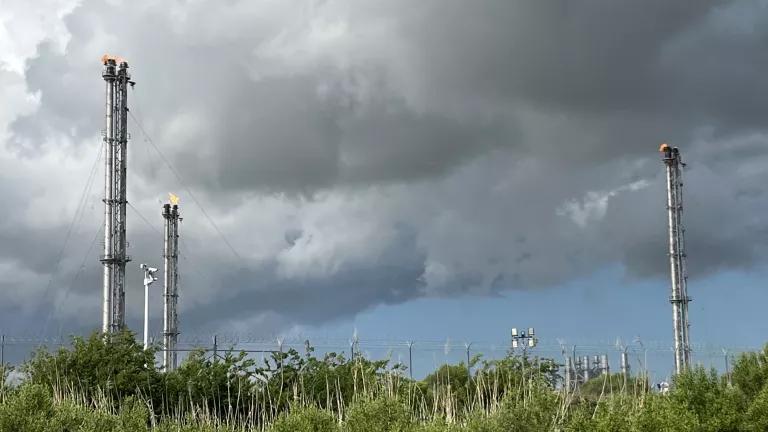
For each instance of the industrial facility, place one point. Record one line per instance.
(114, 259)
(117, 79)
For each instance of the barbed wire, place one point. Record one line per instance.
(544, 346)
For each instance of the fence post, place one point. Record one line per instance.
(469, 369)
(2, 361)
(215, 347)
(410, 358)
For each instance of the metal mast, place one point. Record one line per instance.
(117, 79)
(171, 283)
(679, 297)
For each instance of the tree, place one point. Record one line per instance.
(113, 366)
(750, 372)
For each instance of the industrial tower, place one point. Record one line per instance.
(171, 283)
(679, 297)
(117, 79)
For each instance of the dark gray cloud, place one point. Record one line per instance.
(358, 153)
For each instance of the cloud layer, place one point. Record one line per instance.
(355, 153)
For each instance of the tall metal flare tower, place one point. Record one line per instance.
(171, 283)
(117, 80)
(678, 275)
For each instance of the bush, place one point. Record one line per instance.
(717, 407)
(378, 415)
(308, 419)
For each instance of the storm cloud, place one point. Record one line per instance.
(356, 153)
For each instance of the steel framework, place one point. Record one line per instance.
(679, 298)
(171, 285)
(114, 259)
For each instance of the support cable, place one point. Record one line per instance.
(148, 139)
(194, 269)
(76, 219)
(80, 271)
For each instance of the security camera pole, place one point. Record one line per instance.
(149, 277)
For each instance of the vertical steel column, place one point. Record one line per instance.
(109, 75)
(679, 297)
(170, 282)
(117, 79)
(167, 286)
(681, 256)
(121, 181)
(175, 292)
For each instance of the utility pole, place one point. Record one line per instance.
(114, 259)
(679, 298)
(2, 361)
(353, 343)
(469, 368)
(149, 278)
(170, 282)
(410, 358)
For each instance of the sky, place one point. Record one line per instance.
(429, 171)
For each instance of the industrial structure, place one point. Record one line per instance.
(625, 367)
(679, 297)
(114, 259)
(580, 369)
(170, 283)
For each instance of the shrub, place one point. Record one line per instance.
(309, 419)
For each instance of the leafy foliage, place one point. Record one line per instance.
(111, 384)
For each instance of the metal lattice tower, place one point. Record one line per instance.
(678, 275)
(114, 259)
(171, 284)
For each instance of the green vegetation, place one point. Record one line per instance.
(112, 384)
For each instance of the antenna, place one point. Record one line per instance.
(679, 298)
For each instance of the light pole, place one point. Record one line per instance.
(149, 277)
(524, 339)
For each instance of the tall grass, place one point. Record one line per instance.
(97, 386)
